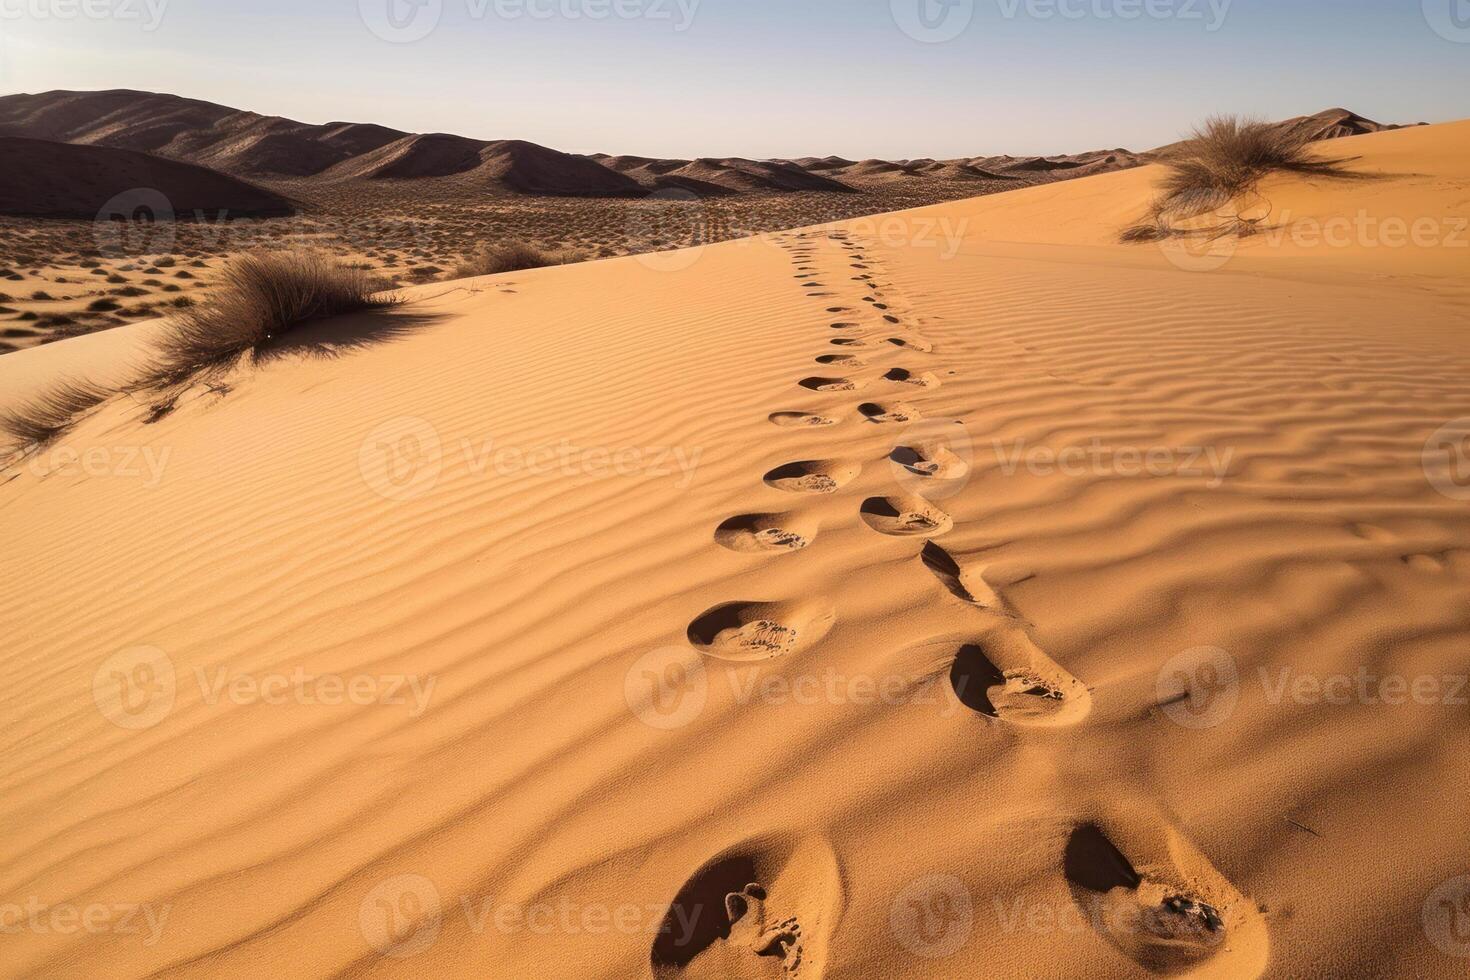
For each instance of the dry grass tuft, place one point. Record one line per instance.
(261, 297)
(492, 260)
(35, 424)
(1225, 158)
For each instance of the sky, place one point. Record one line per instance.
(763, 78)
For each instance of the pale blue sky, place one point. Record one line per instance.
(764, 78)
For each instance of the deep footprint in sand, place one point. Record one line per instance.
(831, 384)
(1158, 900)
(904, 376)
(905, 515)
(800, 420)
(764, 908)
(844, 360)
(1004, 675)
(931, 461)
(761, 533)
(888, 412)
(813, 476)
(912, 343)
(746, 631)
(967, 585)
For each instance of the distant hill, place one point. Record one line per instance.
(272, 148)
(66, 180)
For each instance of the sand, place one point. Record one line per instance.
(999, 650)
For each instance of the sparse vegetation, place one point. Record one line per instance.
(35, 424)
(491, 260)
(260, 297)
(1225, 158)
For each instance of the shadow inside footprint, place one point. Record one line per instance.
(697, 919)
(1092, 862)
(972, 675)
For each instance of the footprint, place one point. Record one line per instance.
(760, 533)
(907, 377)
(968, 586)
(850, 342)
(923, 346)
(839, 309)
(746, 631)
(764, 908)
(1005, 676)
(845, 360)
(813, 476)
(844, 325)
(798, 420)
(889, 316)
(888, 412)
(933, 460)
(905, 515)
(831, 384)
(1155, 896)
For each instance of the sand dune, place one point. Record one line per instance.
(701, 670)
(63, 180)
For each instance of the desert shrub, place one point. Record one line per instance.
(1223, 159)
(492, 260)
(35, 424)
(260, 297)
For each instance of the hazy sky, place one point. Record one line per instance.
(762, 78)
